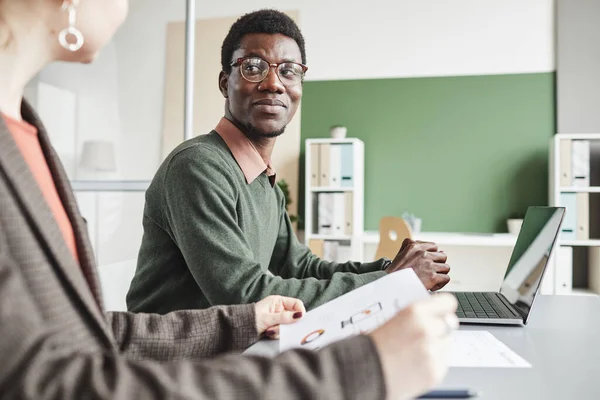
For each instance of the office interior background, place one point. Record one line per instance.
(457, 104)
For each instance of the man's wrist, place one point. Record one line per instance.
(386, 264)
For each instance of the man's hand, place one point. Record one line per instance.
(413, 346)
(428, 263)
(275, 310)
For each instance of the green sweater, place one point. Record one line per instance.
(210, 238)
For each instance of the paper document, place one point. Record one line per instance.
(359, 311)
(482, 349)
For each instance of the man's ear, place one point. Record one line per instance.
(223, 83)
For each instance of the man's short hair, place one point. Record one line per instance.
(262, 21)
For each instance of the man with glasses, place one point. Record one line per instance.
(215, 225)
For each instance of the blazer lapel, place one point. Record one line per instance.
(65, 192)
(35, 206)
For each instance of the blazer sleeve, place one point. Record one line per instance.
(33, 367)
(184, 334)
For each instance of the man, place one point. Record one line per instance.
(215, 226)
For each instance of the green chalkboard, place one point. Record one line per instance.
(461, 152)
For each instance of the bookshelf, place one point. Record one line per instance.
(575, 184)
(334, 198)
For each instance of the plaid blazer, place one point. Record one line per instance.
(56, 342)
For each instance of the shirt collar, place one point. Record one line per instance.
(244, 152)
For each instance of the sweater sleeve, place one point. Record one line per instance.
(201, 199)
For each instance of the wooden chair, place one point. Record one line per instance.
(392, 232)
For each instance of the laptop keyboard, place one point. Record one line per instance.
(480, 305)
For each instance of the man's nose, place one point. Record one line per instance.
(272, 83)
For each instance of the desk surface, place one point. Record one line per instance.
(454, 238)
(560, 342)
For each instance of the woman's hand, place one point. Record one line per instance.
(414, 345)
(275, 310)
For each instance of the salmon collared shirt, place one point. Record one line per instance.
(244, 152)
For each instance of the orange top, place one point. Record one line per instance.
(26, 137)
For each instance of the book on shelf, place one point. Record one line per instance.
(580, 160)
(335, 165)
(576, 224)
(315, 162)
(325, 213)
(324, 155)
(574, 163)
(347, 165)
(332, 165)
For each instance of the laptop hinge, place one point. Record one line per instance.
(510, 306)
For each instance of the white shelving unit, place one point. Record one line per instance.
(356, 189)
(556, 189)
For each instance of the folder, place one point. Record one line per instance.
(316, 247)
(330, 250)
(347, 164)
(324, 165)
(583, 216)
(344, 253)
(335, 165)
(325, 212)
(315, 213)
(563, 274)
(580, 162)
(315, 173)
(566, 177)
(339, 220)
(569, 225)
(348, 212)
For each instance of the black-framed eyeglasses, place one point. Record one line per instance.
(255, 69)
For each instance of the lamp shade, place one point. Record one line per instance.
(98, 155)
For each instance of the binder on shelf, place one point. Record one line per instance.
(330, 249)
(563, 273)
(594, 269)
(315, 173)
(316, 247)
(339, 223)
(566, 176)
(347, 164)
(335, 165)
(348, 212)
(583, 216)
(580, 162)
(315, 213)
(324, 165)
(344, 253)
(325, 213)
(569, 225)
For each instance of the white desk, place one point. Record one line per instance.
(560, 342)
(467, 255)
(455, 238)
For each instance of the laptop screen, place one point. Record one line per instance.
(530, 256)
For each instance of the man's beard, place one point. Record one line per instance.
(254, 133)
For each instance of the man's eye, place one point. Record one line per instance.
(288, 71)
(253, 69)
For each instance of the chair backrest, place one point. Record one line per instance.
(392, 232)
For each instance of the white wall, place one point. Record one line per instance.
(345, 40)
(97, 102)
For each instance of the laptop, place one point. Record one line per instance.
(512, 304)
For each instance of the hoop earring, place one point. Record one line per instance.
(71, 8)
